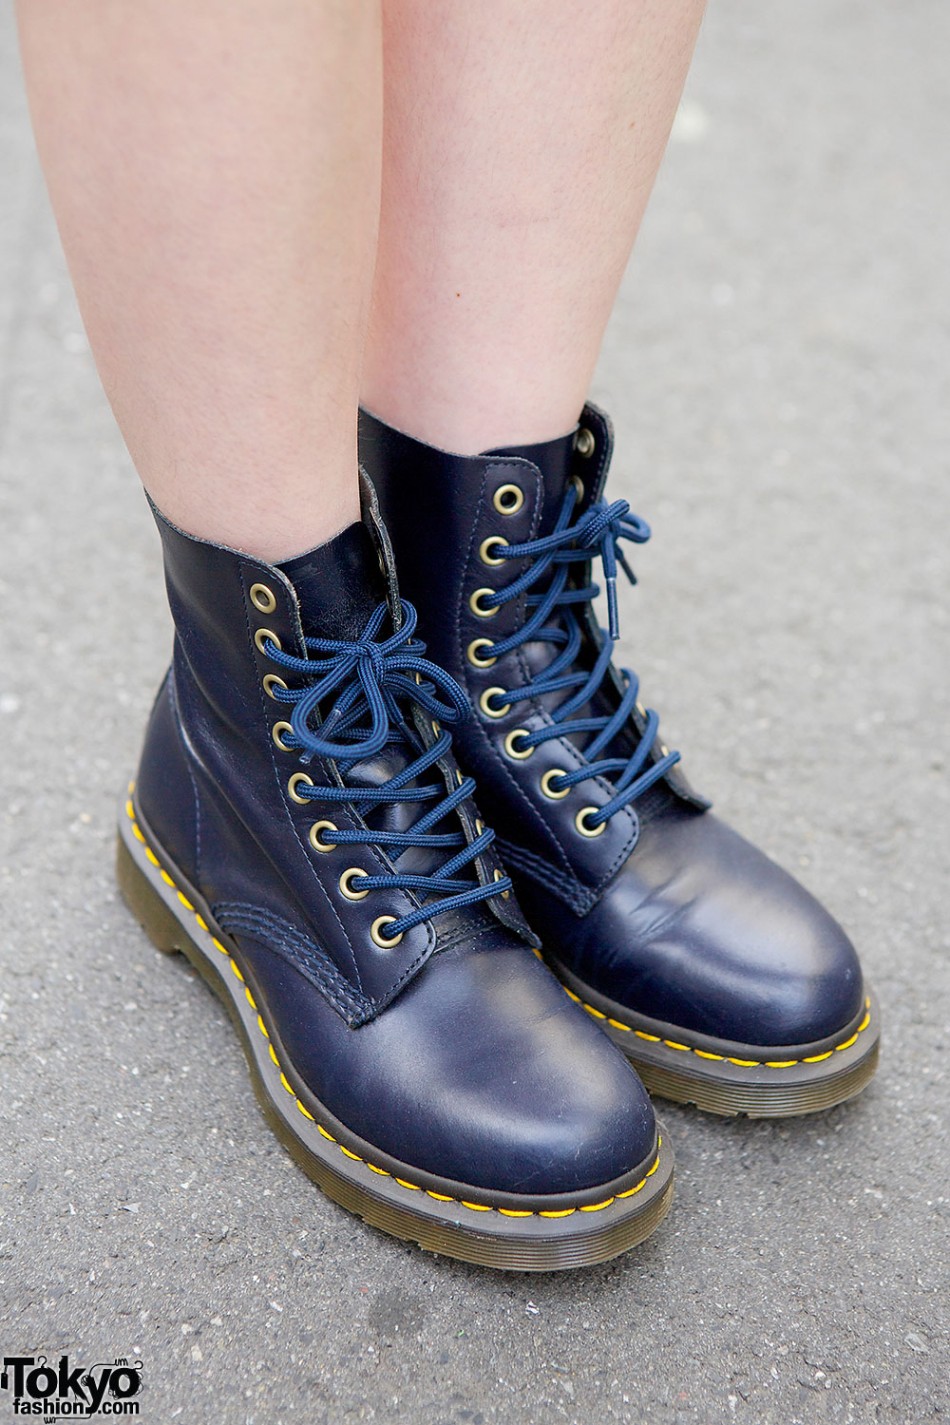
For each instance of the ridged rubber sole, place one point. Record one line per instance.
(731, 1079)
(455, 1222)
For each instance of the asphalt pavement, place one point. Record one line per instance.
(779, 373)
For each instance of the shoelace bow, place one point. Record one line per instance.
(596, 534)
(368, 687)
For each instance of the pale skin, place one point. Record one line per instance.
(226, 189)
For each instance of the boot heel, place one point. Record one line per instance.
(148, 908)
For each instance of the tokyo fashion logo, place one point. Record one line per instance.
(62, 1391)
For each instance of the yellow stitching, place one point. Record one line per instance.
(382, 1172)
(720, 1058)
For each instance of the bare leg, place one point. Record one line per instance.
(522, 138)
(215, 173)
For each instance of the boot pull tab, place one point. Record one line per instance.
(373, 520)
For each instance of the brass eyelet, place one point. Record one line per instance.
(499, 876)
(580, 821)
(584, 442)
(294, 783)
(270, 682)
(547, 788)
(263, 599)
(577, 485)
(487, 545)
(474, 604)
(508, 499)
(519, 753)
(473, 651)
(346, 885)
(315, 831)
(259, 638)
(277, 732)
(377, 936)
(459, 777)
(479, 826)
(485, 703)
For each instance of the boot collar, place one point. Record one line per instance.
(582, 454)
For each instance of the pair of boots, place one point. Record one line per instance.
(301, 830)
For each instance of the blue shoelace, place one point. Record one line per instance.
(552, 619)
(358, 692)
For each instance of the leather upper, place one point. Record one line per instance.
(454, 1050)
(665, 910)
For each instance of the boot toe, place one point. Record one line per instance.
(482, 1072)
(707, 933)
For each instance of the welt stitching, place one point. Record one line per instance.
(325, 1133)
(724, 1058)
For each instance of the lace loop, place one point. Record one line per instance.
(552, 619)
(355, 703)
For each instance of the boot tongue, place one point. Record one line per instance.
(338, 584)
(555, 460)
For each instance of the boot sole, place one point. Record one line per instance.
(731, 1079)
(457, 1222)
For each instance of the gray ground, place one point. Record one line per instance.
(778, 369)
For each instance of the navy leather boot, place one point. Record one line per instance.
(725, 982)
(299, 828)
